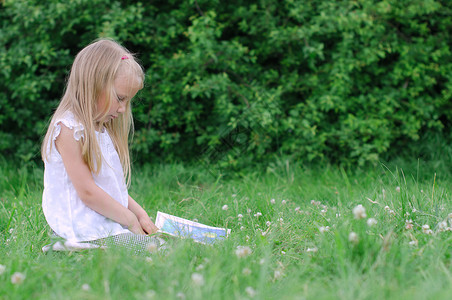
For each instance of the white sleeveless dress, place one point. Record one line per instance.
(64, 211)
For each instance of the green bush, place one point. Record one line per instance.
(234, 82)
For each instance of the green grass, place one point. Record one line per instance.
(282, 265)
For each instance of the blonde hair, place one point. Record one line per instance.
(93, 72)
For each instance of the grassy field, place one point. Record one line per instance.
(301, 230)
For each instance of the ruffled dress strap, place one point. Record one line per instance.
(68, 120)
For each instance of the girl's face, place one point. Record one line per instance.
(125, 87)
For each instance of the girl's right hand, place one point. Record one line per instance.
(136, 227)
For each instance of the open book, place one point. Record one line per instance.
(180, 227)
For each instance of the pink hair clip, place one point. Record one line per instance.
(124, 57)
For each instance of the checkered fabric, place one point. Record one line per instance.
(135, 242)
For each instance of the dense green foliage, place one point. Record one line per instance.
(236, 81)
(300, 247)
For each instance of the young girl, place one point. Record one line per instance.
(86, 155)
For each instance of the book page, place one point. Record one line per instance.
(184, 228)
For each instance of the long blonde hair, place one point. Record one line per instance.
(94, 71)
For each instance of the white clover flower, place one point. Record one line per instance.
(313, 250)
(390, 211)
(258, 214)
(281, 220)
(426, 229)
(283, 252)
(414, 210)
(277, 274)
(148, 259)
(246, 271)
(250, 292)
(17, 278)
(242, 228)
(413, 243)
(262, 261)
(272, 201)
(353, 238)
(200, 267)
(371, 222)
(323, 212)
(248, 210)
(197, 279)
(408, 224)
(180, 295)
(442, 225)
(359, 212)
(152, 247)
(239, 216)
(86, 287)
(2, 269)
(225, 207)
(243, 251)
(323, 229)
(397, 189)
(283, 202)
(268, 223)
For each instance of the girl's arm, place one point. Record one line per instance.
(92, 195)
(146, 224)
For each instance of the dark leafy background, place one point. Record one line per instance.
(234, 82)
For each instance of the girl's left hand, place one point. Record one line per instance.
(147, 225)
